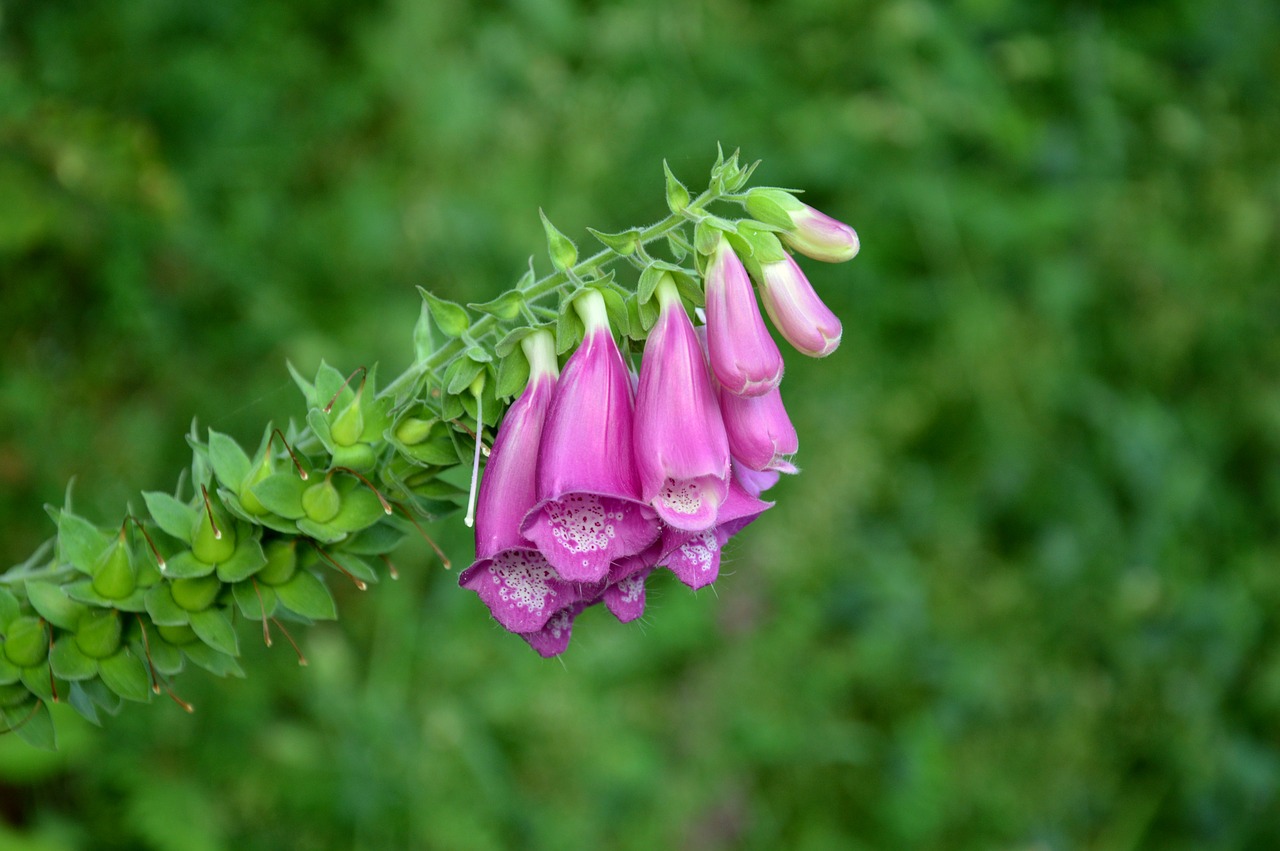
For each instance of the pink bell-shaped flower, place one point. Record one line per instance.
(589, 511)
(681, 449)
(511, 576)
(743, 356)
(796, 311)
(694, 557)
(761, 436)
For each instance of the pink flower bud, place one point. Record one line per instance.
(796, 311)
(743, 356)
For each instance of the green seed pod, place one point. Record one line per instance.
(413, 431)
(177, 635)
(248, 500)
(26, 642)
(98, 635)
(348, 425)
(115, 573)
(359, 457)
(197, 593)
(213, 544)
(321, 501)
(282, 561)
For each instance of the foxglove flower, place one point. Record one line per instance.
(744, 358)
(589, 512)
(511, 575)
(761, 436)
(796, 311)
(754, 482)
(553, 637)
(812, 233)
(694, 557)
(624, 594)
(681, 449)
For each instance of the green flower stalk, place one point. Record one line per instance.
(104, 615)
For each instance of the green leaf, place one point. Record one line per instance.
(376, 540)
(36, 679)
(281, 493)
(80, 542)
(230, 463)
(215, 629)
(247, 560)
(213, 661)
(322, 532)
(176, 518)
(69, 662)
(126, 675)
(80, 701)
(163, 609)
(103, 697)
(54, 605)
(357, 567)
(32, 724)
(450, 318)
(185, 565)
(306, 595)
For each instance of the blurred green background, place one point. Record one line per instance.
(1025, 594)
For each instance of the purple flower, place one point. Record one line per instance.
(754, 482)
(681, 450)
(761, 436)
(743, 356)
(796, 311)
(553, 637)
(624, 594)
(589, 512)
(694, 557)
(812, 233)
(511, 576)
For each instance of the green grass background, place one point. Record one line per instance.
(1023, 596)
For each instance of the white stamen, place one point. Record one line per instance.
(470, 519)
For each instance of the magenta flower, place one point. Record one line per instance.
(589, 512)
(511, 576)
(694, 557)
(624, 593)
(796, 311)
(681, 450)
(813, 234)
(754, 482)
(743, 356)
(761, 436)
(553, 637)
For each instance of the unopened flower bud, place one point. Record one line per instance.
(196, 594)
(812, 233)
(413, 430)
(26, 643)
(796, 311)
(321, 501)
(98, 633)
(115, 574)
(348, 425)
(213, 538)
(282, 561)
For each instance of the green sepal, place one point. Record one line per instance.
(247, 560)
(450, 407)
(450, 318)
(14, 694)
(360, 510)
(505, 307)
(185, 565)
(769, 205)
(357, 567)
(103, 697)
(281, 493)
(708, 233)
(460, 374)
(213, 661)
(560, 248)
(677, 194)
(569, 327)
(511, 342)
(617, 310)
(424, 344)
(689, 287)
(255, 600)
(71, 663)
(84, 592)
(331, 389)
(623, 244)
(36, 679)
(10, 608)
(80, 543)
(678, 247)
(491, 407)
(308, 389)
(79, 700)
(174, 517)
(230, 463)
(115, 573)
(9, 672)
(513, 374)
(282, 561)
(215, 629)
(54, 605)
(163, 609)
(126, 675)
(378, 539)
(98, 635)
(197, 593)
(305, 594)
(165, 657)
(34, 725)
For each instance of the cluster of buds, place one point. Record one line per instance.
(599, 474)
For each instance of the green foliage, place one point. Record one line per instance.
(1023, 595)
